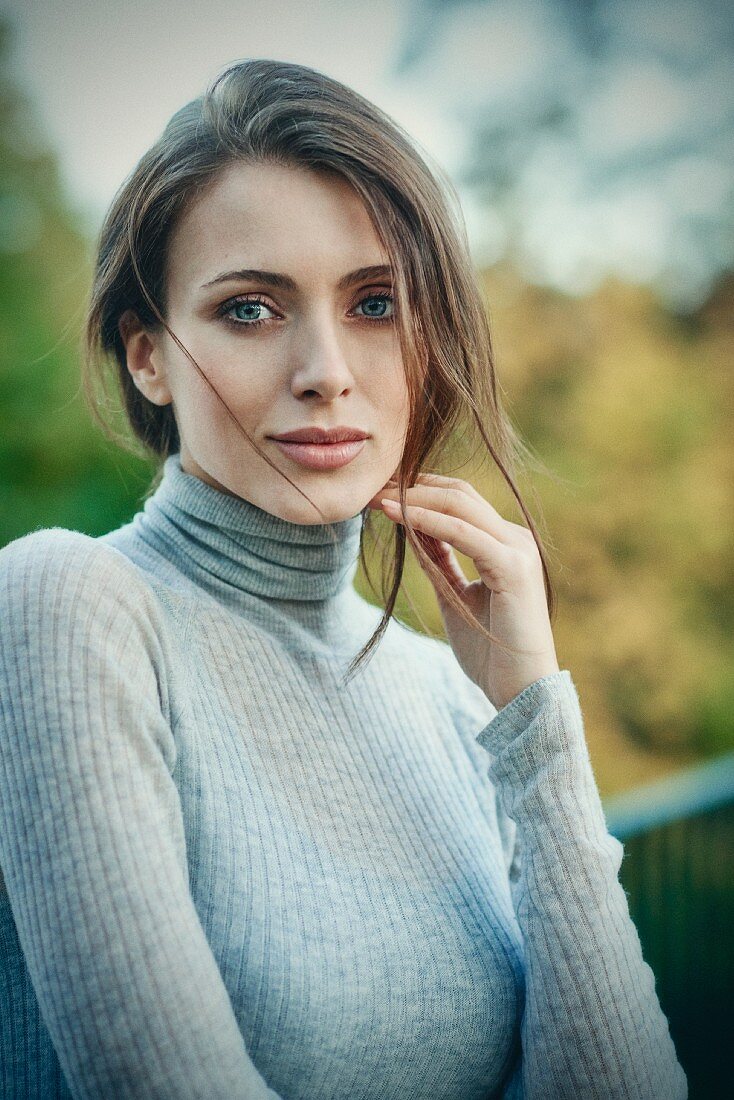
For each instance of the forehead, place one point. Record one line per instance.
(312, 226)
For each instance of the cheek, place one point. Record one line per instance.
(390, 399)
(393, 394)
(387, 376)
(247, 389)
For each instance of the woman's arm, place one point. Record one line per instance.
(92, 844)
(592, 1025)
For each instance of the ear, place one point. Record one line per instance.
(144, 359)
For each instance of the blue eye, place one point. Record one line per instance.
(381, 300)
(246, 311)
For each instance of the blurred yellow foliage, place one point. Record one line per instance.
(630, 408)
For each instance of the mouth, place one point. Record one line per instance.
(315, 434)
(321, 456)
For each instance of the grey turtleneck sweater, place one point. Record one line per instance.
(230, 875)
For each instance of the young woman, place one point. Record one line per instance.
(242, 860)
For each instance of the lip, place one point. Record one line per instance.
(315, 434)
(321, 456)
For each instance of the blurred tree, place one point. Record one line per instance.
(55, 467)
(640, 422)
(630, 408)
(599, 136)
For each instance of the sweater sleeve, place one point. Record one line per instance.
(92, 844)
(592, 1024)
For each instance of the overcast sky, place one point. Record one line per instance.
(595, 137)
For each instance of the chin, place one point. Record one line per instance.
(309, 517)
(337, 503)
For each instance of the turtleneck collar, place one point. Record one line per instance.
(228, 539)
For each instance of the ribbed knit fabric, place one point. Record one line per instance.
(229, 875)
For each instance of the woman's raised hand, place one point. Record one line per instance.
(509, 597)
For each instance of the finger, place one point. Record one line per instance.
(435, 479)
(487, 552)
(454, 482)
(514, 532)
(452, 499)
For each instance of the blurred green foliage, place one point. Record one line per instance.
(56, 469)
(628, 405)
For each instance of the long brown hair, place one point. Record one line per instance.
(260, 110)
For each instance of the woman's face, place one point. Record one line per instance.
(319, 348)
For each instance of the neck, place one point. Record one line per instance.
(231, 539)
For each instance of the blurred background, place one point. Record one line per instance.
(591, 146)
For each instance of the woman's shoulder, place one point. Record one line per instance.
(59, 553)
(59, 572)
(83, 613)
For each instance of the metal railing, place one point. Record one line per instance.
(678, 836)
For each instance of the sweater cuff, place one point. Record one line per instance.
(555, 701)
(540, 760)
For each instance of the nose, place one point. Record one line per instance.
(321, 365)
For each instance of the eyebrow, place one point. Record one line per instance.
(284, 282)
